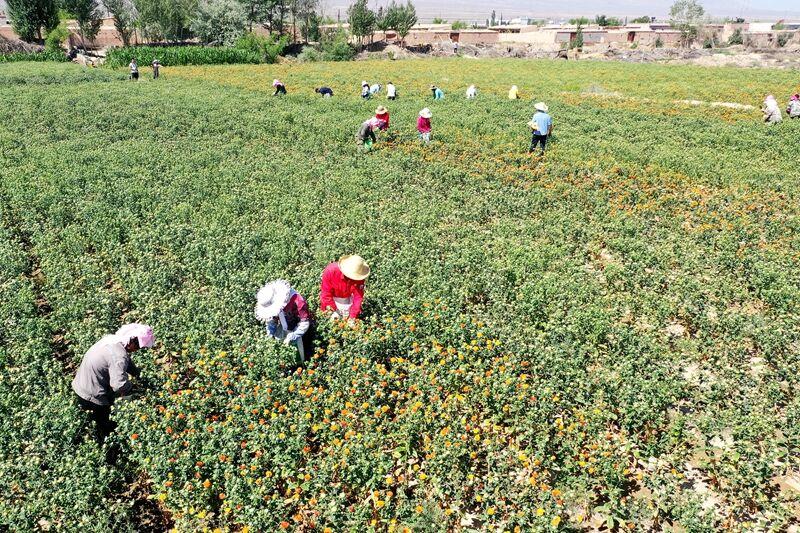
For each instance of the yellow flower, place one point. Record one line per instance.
(555, 521)
(418, 509)
(539, 511)
(490, 511)
(380, 503)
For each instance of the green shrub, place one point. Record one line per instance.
(55, 39)
(172, 56)
(309, 54)
(784, 38)
(269, 48)
(336, 47)
(736, 37)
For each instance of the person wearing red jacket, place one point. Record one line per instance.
(342, 287)
(383, 114)
(424, 125)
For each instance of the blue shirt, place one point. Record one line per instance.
(438, 94)
(543, 122)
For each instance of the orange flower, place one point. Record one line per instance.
(207, 484)
(284, 525)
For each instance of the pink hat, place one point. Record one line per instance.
(375, 122)
(141, 332)
(795, 97)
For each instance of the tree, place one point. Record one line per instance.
(124, 15)
(686, 16)
(165, 19)
(401, 18)
(582, 21)
(31, 19)
(604, 21)
(459, 25)
(578, 41)
(439, 20)
(88, 15)
(493, 20)
(642, 20)
(220, 22)
(362, 20)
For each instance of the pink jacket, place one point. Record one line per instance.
(423, 125)
(336, 285)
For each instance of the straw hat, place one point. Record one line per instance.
(272, 298)
(364, 82)
(381, 110)
(141, 332)
(354, 267)
(514, 88)
(425, 113)
(541, 106)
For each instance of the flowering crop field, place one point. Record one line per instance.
(603, 338)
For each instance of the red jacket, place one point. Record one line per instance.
(423, 125)
(384, 117)
(335, 284)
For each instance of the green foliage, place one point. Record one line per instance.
(581, 341)
(219, 22)
(439, 20)
(310, 54)
(336, 47)
(641, 20)
(362, 20)
(165, 19)
(603, 21)
(31, 19)
(784, 38)
(577, 42)
(27, 72)
(88, 14)
(736, 37)
(459, 25)
(686, 16)
(55, 39)
(125, 18)
(659, 43)
(46, 55)
(180, 55)
(580, 21)
(268, 48)
(401, 18)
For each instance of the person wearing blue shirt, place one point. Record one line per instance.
(437, 93)
(541, 125)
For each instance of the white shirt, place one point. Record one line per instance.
(390, 90)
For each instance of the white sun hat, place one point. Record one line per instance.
(541, 106)
(272, 298)
(425, 113)
(354, 267)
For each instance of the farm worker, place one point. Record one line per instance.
(513, 93)
(366, 134)
(365, 94)
(326, 92)
(472, 92)
(103, 373)
(437, 92)
(455, 47)
(375, 88)
(280, 88)
(134, 69)
(424, 125)
(794, 107)
(391, 91)
(285, 313)
(382, 114)
(156, 65)
(342, 287)
(772, 113)
(541, 125)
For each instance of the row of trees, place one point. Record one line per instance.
(364, 22)
(213, 21)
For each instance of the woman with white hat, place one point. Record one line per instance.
(772, 113)
(424, 125)
(280, 88)
(342, 287)
(513, 93)
(472, 92)
(541, 126)
(102, 376)
(365, 94)
(285, 313)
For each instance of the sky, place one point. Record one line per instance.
(482, 9)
